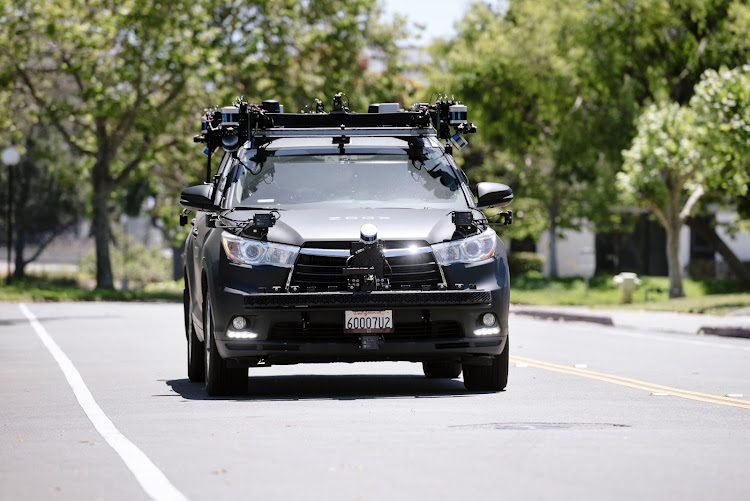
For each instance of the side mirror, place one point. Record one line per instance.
(198, 198)
(493, 195)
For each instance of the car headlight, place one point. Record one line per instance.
(467, 250)
(255, 253)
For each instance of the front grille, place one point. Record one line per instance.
(293, 331)
(353, 299)
(415, 270)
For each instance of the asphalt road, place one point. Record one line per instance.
(646, 418)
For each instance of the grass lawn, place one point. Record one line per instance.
(67, 288)
(716, 297)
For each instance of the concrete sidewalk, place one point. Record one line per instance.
(685, 323)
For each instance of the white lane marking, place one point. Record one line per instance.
(629, 332)
(151, 478)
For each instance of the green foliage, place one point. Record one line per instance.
(660, 48)
(680, 153)
(116, 81)
(124, 83)
(522, 263)
(547, 125)
(722, 105)
(662, 166)
(134, 263)
(556, 86)
(296, 51)
(48, 198)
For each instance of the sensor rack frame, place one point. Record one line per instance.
(417, 119)
(231, 126)
(355, 131)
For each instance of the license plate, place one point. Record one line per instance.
(368, 321)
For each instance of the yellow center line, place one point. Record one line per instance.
(633, 383)
(627, 379)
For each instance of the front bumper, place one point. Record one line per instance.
(309, 327)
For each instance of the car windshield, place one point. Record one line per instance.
(376, 180)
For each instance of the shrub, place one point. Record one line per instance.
(522, 263)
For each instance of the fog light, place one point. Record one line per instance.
(239, 323)
(487, 331)
(241, 334)
(489, 319)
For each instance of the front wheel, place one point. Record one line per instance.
(220, 380)
(195, 349)
(492, 377)
(196, 361)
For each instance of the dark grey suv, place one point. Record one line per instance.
(359, 241)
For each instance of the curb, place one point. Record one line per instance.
(735, 332)
(566, 317)
(741, 332)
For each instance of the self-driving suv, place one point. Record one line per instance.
(343, 237)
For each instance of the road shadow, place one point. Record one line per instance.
(331, 387)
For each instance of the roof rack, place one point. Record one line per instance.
(317, 120)
(384, 131)
(231, 126)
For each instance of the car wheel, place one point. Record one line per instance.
(195, 357)
(220, 380)
(492, 377)
(441, 369)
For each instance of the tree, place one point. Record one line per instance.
(113, 78)
(296, 51)
(661, 47)
(682, 154)
(124, 82)
(722, 105)
(517, 71)
(558, 86)
(47, 199)
(662, 171)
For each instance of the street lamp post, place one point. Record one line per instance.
(10, 157)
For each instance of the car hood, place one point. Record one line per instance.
(305, 226)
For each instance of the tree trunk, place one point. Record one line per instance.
(20, 203)
(552, 242)
(673, 260)
(101, 228)
(20, 243)
(708, 233)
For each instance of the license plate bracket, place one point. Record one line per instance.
(369, 341)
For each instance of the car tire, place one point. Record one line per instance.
(195, 348)
(220, 379)
(196, 360)
(441, 369)
(492, 377)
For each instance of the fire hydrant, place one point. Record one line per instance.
(627, 282)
